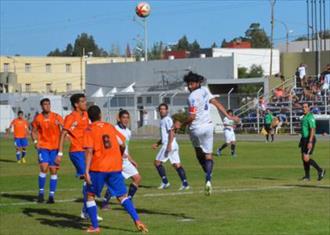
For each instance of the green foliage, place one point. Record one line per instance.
(214, 45)
(181, 117)
(257, 36)
(156, 52)
(255, 71)
(184, 44)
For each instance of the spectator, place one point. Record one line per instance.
(325, 78)
(282, 120)
(315, 109)
(301, 75)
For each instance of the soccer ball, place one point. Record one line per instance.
(143, 9)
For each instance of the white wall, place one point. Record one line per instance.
(248, 57)
(7, 115)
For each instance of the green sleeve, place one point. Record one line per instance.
(311, 122)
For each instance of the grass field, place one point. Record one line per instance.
(256, 193)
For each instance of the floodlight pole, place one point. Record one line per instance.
(145, 40)
(228, 97)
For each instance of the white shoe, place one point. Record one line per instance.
(182, 188)
(86, 216)
(164, 186)
(208, 188)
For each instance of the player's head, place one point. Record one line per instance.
(163, 109)
(176, 124)
(193, 80)
(94, 113)
(45, 105)
(20, 114)
(230, 112)
(79, 102)
(267, 110)
(123, 117)
(306, 108)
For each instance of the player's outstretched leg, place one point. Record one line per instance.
(221, 148)
(129, 207)
(106, 200)
(23, 155)
(200, 157)
(133, 187)
(162, 173)
(233, 149)
(320, 171)
(208, 177)
(92, 213)
(182, 174)
(18, 155)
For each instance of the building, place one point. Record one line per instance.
(238, 44)
(47, 74)
(303, 46)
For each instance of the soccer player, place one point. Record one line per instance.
(230, 138)
(307, 143)
(21, 130)
(74, 126)
(46, 131)
(268, 125)
(200, 124)
(104, 146)
(169, 149)
(129, 165)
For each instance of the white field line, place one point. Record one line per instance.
(215, 190)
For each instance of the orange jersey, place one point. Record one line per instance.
(49, 130)
(105, 141)
(76, 124)
(20, 127)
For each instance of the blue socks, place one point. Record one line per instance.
(23, 153)
(182, 176)
(52, 185)
(162, 173)
(129, 207)
(42, 182)
(132, 190)
(92, 212)
(18, 155)
(208, 168)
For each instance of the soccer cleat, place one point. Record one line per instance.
(164, 186)
(219, 152)
(305, 178)
(208, 188)
(182, 188)
(141, 227)
(91, 229)
(51, 200)
(321, 175)
(233, 154)
(105, 206)
(19, 161)
(40, 198)
(23, 160)
(85, 215)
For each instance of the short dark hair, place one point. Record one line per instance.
(230, 111)
(74, 99)
(19, 112)
(123, 112)
(193, 77)
(44, 100)
(94, 113)
(306, 103)
(163, 104)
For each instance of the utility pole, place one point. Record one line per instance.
(308, 44)
(82, 59)
(272, 2)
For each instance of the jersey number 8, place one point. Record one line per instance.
(106, 141)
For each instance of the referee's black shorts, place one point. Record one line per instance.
(268, 128)
(303, 144)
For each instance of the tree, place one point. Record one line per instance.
(257, 36)
(68, 50)
(255, 71)
(214, 45)
(128, 52)
(156, 51)
(183, 44)
(115, 50)
(55, 52)
(193, 47)
(224, 43)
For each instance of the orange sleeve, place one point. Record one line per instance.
(68, 121)
(60, 119)
(34, 122)
(12, 122)
(88, 139)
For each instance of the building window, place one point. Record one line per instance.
(48, 68)
(139, 100)
(68, 87)
(68, 68)
(6, 67)
(48, 87)
(166, 100)
(28, 87)
(149, 100)
(27, 67)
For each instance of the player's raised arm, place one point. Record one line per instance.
(9, 129)
(222, 109)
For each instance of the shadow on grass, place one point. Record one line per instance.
(63, 220)
(266, 178)
(8, 161)
(153, 212)
(29, 198)
(309, 186)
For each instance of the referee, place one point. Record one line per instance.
(307, 143)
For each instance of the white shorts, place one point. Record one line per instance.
(128, 169)
(202, 137)
(229, 136)
(173, 156)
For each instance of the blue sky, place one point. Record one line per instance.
(36, 27)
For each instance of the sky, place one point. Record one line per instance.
(34, 28)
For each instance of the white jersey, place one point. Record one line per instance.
(166, 124)
(199, 104)
(127, 134)
(302, 72)
(229, 124)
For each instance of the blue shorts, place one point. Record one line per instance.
(114, 180)
(47, 156)
(21, 142)
(78, 160)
